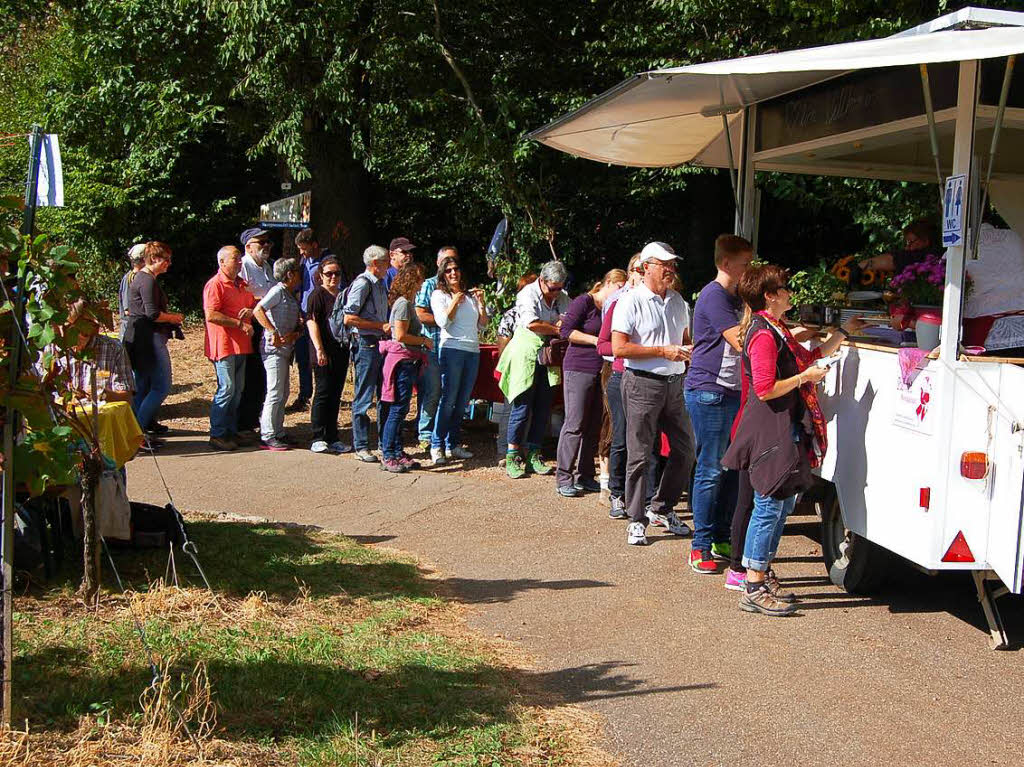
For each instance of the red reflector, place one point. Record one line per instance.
(974, 465)
(959, 551)
(926, 498)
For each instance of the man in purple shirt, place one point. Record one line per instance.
(712, 397)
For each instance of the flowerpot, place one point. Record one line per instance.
(929, 322)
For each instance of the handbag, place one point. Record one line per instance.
(552, 353)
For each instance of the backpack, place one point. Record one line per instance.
(339, 330)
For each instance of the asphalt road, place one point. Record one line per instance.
(678, 672)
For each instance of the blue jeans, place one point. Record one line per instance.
(531, 408)
(305, 370)
(230, 384)
(391, 431)
(458, 374)
(428, 388)
(369, 365)
(713, 495)
(764, 533)
(152, 384)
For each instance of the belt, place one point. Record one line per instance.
(670, 378)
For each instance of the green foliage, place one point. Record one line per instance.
(816, 287)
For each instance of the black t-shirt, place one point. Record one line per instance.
(319, 309)
(901, 259)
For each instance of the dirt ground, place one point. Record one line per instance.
(679, 674)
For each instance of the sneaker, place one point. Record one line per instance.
(618, 509)
(722, 551)
(275, 445)
(587, 485)
(300, 405)
(365, 456)
(437, 456)
(152, 444)
(157, 428)
(735, 581)
(339, 447)
(246, 438)
(762, 601)
(536, 464)
(408, 462)
(636, 534)
(392, 465)
(702, 563)
(771, 582)
(286, 439)
(567, 491)
(669, 521)
(457, 452)
(222, 444)
(320, 446)
(515, 467)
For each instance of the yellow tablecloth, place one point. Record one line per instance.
(119, 432)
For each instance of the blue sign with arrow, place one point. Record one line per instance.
(954, 201)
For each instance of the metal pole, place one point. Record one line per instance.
(1000, 113)
(12, 424)
(932, 131)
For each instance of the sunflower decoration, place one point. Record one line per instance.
(846, 269)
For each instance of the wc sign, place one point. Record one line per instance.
(954, 202)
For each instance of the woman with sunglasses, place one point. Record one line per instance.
(459, 313)
(328, 359)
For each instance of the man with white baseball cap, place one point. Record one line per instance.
(648, 331)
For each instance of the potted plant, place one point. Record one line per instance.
(817, 293)
(921, 285)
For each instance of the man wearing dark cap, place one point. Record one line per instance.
(400, 252)
(259, 278)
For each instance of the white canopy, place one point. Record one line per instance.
(672, 116)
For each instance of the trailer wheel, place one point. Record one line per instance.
(854, 564)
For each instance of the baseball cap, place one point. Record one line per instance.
(252, 234)
(659, 250)
(401, 243)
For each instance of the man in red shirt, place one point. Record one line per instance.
(228, 305)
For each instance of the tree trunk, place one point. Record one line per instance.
(92, 470)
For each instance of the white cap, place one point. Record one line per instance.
(659, 250)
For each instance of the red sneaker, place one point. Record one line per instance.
(702, 563)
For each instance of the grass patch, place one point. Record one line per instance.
(314, 650)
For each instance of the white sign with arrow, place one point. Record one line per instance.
(953, 204)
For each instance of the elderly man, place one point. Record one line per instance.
(648, 331)
(259, 279)
(366, 311)
(400, 252)
(428, 387)
(539, 307)
(228, 305)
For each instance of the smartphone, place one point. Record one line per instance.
(827, 362)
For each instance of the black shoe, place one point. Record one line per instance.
(586, 485)
(300, 405)
(157, 428)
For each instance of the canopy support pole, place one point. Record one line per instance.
(1000, 113)
(746, 213)
(732, 163)
(933, 134)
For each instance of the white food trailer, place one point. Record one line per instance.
(931, 470)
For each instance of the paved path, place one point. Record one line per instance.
(679, 673)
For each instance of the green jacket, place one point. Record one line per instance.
(518, 364)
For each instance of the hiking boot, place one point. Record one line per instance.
(300, 405)
(636, 534)
(515, 467)
(567, 491)
(722, 551)
(275, 445)
(702, 563)
(736, 580)
(222, 444)
(458, 453)
(771, 582)
(365, 456)
(669, 521)
(320, 446)
(392, 465)
(587, 485)
(618, 509)
(437, 457)
(536, 464)
(761, 601)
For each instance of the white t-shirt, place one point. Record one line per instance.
(650, 320)
(461, 329)
(259, 279)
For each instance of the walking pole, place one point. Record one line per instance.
(11, 424)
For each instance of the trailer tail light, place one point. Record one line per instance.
(959, 551)
(974, 465)
(926, 498)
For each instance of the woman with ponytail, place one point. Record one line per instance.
(781, 434)
(577, 442)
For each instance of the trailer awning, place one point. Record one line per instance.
(669, 117)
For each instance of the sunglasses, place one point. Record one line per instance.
(554, 288)
(331, 274)
(452, 270)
